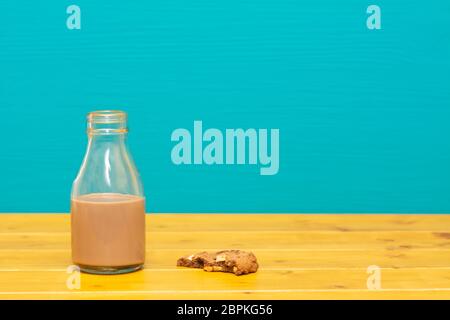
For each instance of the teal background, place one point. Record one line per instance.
(363, 115)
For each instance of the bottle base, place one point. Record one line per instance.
(110, 270)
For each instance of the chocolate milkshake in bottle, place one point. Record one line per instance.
(107, 201)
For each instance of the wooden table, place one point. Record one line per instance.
(300, 256)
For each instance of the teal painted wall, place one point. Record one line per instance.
(363, 114)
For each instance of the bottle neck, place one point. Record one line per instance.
(107, 132)
(100, 143)
(107, 138)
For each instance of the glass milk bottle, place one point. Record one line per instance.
(107, 201)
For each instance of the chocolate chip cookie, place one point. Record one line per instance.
(235, 261)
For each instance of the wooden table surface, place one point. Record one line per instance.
(300, 257)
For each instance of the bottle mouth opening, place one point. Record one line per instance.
(106, 122)
(107, 116)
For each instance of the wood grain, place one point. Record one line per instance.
(11, 223)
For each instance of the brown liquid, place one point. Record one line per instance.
(108, 230)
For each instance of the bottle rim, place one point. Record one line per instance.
(107, 116)
(105, 122)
